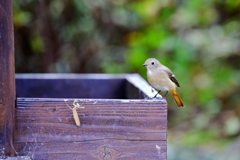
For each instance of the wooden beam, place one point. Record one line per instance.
(7, 79)
(110, 129)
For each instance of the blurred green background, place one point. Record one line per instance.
(198, 40)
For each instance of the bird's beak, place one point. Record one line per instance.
(144, 65)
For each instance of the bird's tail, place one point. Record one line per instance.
(177, 97)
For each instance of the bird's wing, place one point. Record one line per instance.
(171, 75)
(174, 80)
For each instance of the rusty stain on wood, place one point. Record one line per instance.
(111, 129)
(7, 80)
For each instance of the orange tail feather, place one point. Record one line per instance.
(177, 97)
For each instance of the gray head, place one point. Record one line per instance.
(152, 64)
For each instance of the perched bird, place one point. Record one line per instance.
(161, 78)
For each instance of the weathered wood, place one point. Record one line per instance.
(111, 129)
(7, 80)
(103, 149)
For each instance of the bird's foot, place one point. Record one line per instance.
(156, 97)
(165, 94)
(157, 94)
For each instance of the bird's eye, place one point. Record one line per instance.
(152, 63)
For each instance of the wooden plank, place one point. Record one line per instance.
(111, 129)
(7, 79)
(106, 149)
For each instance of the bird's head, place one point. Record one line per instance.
(152, 64)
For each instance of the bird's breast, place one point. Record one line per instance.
(160, 80)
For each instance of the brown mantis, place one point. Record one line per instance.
(74, 110)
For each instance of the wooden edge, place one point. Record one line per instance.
(89, 100)
(18, 158)
(69, 76)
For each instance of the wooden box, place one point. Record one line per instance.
(119, 121)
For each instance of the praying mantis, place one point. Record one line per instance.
(74, 110)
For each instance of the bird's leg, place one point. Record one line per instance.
(165, 94)
(157, 94)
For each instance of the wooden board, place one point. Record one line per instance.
(111, 129)
(7, 84)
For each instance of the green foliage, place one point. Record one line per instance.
(199, 41)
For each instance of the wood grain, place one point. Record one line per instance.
(110, 129)
(106, 149)
(7, 80)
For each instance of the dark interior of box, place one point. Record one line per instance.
(71, 88)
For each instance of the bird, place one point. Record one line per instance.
(161, 78)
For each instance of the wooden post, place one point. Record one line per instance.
(7, 79)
